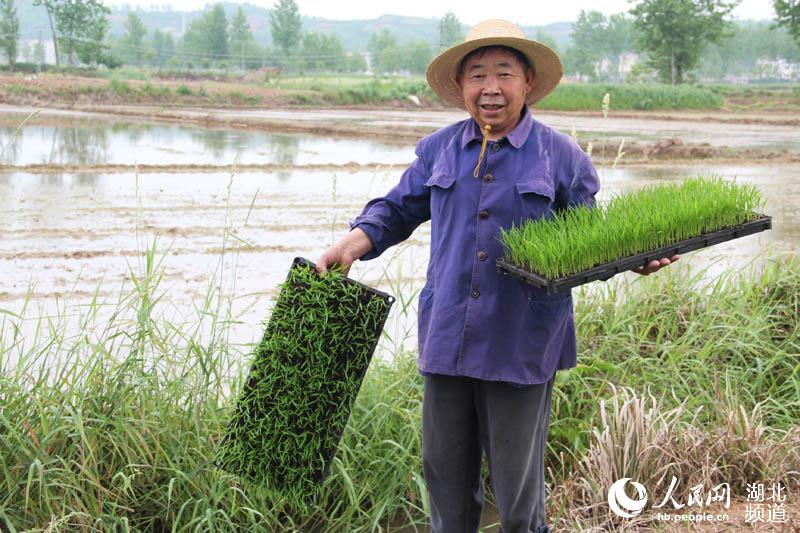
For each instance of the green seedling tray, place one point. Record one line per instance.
(612, 268)
(292, 411)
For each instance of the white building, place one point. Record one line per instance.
(777, 69)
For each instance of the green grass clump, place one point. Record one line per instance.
(304, 379)
(120, 87)
(356, 90)
(583, 96)
(634, 222)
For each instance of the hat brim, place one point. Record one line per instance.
(442, 73)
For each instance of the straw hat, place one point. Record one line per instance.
(443, 71)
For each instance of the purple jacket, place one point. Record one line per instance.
(473, 321)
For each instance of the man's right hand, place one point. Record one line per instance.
(345, 252)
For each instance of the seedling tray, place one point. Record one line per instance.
(610, 269)
(305, 376)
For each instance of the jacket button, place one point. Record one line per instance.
(475, 293)
(488, 178)
(482, 256)
(495, 147)
(483, 214)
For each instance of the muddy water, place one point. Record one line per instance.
(71, 236)
(717, 133)
(129, 144)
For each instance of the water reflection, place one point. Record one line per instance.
(126, 143)
(284, 149)
(213, 141)
(82, 146)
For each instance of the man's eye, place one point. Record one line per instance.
(477, 76)
(505, 75)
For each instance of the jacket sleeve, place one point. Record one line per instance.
(392, 218)
(579, 179)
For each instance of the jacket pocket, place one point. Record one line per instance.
(441, 181)
(537, 198)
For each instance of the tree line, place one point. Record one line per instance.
(680, 40)
(676, 38)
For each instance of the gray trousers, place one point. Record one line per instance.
(461, 419)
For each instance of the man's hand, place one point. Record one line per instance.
(655, 265)
(345, 252)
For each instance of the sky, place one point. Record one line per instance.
(524, 12)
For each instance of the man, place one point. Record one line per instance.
(489, 345)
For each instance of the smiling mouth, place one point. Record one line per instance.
(491, 107)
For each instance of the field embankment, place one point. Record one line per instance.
(142, 87)
(116, 427)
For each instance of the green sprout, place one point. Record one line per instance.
(580, 238)
(304, 378)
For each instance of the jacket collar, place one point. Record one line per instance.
(517, 136)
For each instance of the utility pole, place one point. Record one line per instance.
(39, 57)
(242, 44)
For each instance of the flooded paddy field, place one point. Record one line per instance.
(71, 237)
(402, 127)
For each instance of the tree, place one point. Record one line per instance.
(218, 32)
(206, 39)
(750, 42)
(82, 26)
(788, 16)
(133, 39)
(284, 20)
(322, 52)
(354, 62)
(546, 39)
(163, 47)
(587, 43)
(450, 31)
(598, 40)
(385, 51)
(418, 54)
(9, 30)
(241, 43)
(674, 32)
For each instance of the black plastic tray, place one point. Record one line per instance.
(328, 453)
(608, 270)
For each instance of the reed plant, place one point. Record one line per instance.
(581, 237)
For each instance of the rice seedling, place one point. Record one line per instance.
(577, 239)
(304, 379)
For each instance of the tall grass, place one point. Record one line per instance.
(115, 426)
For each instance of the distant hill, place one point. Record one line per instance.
(354, 34)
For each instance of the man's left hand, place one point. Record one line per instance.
(655, 265)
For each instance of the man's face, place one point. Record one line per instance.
(494, 85)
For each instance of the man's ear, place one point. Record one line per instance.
(529, 77)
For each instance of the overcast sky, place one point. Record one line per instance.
(525, 12)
